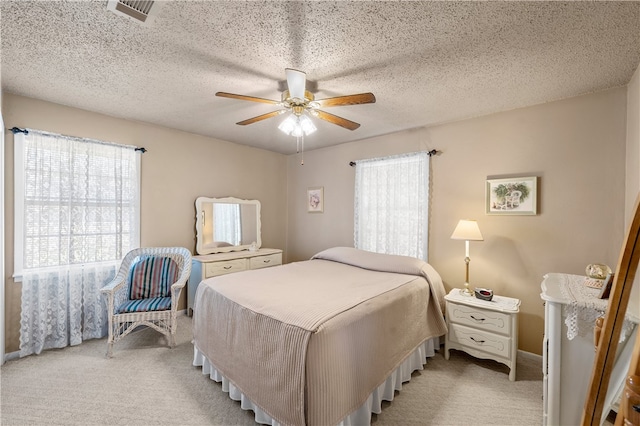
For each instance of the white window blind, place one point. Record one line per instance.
(392, 205)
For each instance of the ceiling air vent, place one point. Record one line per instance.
(137, 10)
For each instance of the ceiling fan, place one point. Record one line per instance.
(298, 100)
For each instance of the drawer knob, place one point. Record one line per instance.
(477, 341)
(267, 260)
(228, 267)
(477, 319)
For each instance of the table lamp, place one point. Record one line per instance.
(467, 230)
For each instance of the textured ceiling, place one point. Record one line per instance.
(426, 62)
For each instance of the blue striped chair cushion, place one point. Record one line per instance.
(145, 305)
(152, 276)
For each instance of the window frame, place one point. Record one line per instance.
(395, 161)
(19, 205)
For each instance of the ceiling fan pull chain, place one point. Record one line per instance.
(297, 144)
(302, 154)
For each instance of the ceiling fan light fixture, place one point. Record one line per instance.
(297, 125)
(306, 124)
(288, 124)
(301, 104)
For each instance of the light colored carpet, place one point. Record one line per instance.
(147, 383)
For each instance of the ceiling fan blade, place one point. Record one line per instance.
(261, 117)
(362, 98)
(296, 82)
(343, 122)
(246, 98)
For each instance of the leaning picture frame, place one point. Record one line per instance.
(605, 290)
(512, 196)
(315, 199)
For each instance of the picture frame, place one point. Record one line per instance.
(315, 199)
(512, 196)
(605, 290)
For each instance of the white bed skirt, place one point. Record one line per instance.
(361, 416)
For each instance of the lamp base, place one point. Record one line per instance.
(466, 291)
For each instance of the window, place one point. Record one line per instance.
(76, 216)
(226, 222)
(392, 205)
(77, 201)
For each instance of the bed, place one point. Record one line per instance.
(322, 341)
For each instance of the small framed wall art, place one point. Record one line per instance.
(605, 290)
(315, 199)
(512, 196)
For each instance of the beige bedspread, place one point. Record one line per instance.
(309, 341)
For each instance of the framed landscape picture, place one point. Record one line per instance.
(512, 196)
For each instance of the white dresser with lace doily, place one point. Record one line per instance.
(571, 309)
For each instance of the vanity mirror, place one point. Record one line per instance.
(227, 224)
(607, 358)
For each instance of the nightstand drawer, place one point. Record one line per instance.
(220, 268)
(482, 319)
(481, 341)
(266, 261)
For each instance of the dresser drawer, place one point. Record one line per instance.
(213, 269)
(481, 319)
(476, 339)
(266, 261)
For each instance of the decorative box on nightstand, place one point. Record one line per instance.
(484, 329)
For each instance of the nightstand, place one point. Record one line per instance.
(483, 329)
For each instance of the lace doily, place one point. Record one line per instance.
(584, 308)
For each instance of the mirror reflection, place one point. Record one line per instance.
(227, 224)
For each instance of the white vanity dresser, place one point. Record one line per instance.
(212, 265)
(228, 240)
(568, 351)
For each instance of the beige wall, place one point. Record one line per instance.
(177, 168)
(575, 146)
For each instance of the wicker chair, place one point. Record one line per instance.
(139, 294)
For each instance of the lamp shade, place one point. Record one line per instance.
(288, 125)
(306, 125)
(467, 230)
(297, 125)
